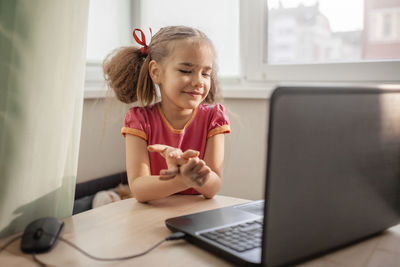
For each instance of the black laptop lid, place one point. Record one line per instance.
(333, 172)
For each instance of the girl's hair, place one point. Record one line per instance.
(126, 70)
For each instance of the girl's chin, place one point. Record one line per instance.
(188, 103)
(194, 103)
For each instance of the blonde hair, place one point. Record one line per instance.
(126, 70)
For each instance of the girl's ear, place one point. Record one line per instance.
(155, 71)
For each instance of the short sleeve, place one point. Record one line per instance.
(219, 123)
(135, 123)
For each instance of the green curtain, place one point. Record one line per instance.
(42, 66)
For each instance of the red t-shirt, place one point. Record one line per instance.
(150, 124)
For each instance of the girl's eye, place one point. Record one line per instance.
(206, 74)
(185, 71)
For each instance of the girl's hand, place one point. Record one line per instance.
(174, 158)
(195, 172)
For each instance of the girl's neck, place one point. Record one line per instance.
(177, 117)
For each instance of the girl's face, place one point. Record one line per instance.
(184, 76)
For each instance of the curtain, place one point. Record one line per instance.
(42, 65)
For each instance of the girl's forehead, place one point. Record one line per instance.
(191, 49)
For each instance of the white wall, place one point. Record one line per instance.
(245, 148)
(102, 150)
(102, 147)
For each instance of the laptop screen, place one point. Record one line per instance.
(333, 172)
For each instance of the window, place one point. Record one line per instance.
(108, 28)
(322, 31)
(384, 26)
(323, 40)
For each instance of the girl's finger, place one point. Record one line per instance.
(204, 171)
(200, 176)
(184, 157)
(181, 161)
(204, 180)
(172, 163)
(188, 167)
(199, 166)
(190, 153)
(157, 148)
(175, 153)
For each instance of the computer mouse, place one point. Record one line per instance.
(41, 235)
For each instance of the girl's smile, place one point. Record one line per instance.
(194, 94)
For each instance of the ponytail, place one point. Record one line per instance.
(126, 72)
(147, 94)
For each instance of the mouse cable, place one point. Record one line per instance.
(15, 239)
(10, 242)
(173, 236)
(41, 263)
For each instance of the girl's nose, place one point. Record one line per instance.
(197, 81)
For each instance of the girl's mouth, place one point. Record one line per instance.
(193, 94)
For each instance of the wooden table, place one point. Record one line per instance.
(128, 227)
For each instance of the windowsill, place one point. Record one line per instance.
(95, 90)
(236, 89)
(231, 87)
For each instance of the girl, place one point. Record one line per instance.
(179, 61)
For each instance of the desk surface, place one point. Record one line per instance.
(128, 227)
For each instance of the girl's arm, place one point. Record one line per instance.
(214, 159)
(143, 185)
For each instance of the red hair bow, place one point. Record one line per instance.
(141, 41)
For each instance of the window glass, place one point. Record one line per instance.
(218, 19)
(108, 28)
(324, 31)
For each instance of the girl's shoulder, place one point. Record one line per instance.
(214, 113)
(148, 108)
(217, 119)
(212, 108)
(142, 110)
(140, 114)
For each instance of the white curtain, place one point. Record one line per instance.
(42, 64)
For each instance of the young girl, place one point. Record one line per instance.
(177, 144)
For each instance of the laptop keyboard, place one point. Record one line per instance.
(240, 237)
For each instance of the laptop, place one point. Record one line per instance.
(332, 179)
